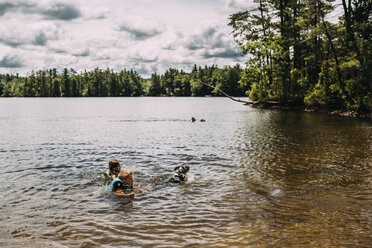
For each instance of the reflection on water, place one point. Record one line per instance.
(258, 178)
(306, 181)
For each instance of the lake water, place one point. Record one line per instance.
(258, 178)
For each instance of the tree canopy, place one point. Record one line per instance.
(104, 83)
(297, 54)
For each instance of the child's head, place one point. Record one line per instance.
(114, 165)
(126, 177)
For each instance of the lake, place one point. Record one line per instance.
(258, 178)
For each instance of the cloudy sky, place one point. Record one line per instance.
(145, 35)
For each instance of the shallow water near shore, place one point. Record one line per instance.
(258, 178)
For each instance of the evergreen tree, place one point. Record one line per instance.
(66, 83)
(29, 87)
(155, 87)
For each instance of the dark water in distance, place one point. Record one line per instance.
(258, 178)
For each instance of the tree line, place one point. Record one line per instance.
(107, 83)
(299, 54)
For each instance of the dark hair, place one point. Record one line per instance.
(121, 185)
(113, 164)
(117, 185)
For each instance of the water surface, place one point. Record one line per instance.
(258, 178)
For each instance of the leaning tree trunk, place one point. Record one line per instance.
(227, 95)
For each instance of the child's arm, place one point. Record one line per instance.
(121, 193)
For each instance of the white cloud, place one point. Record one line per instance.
(10, 61)
(93, 13)
(15, 33)
(239, 5)
(139, 28)
(205, 42)
(145, 35)
(60, 11)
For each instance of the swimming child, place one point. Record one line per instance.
(122, 185)
(113, 171)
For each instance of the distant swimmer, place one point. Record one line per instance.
(193, 119)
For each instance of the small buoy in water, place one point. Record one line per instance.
(202, 120)
(193, 119)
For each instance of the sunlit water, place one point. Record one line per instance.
(258, 178)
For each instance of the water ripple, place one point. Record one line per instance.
(257, 179)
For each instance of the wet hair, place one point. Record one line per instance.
(113, 164)
(126, 177)
(125, 183)
(121, 185)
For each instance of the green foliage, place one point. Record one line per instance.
(317, 97)
(296, 55)
(12, 88)
(250, 75)
(155, 86)
(55, 87)
(196, 88)
(255, 93)
(103, 83)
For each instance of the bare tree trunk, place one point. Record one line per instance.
(284, 18)
(232, 98)
(265, 41)
(316, 70)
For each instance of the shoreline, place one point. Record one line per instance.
(290, 106)
(341, 113)
(296, 107)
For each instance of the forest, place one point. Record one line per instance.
(107, 83)
(298, 54)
